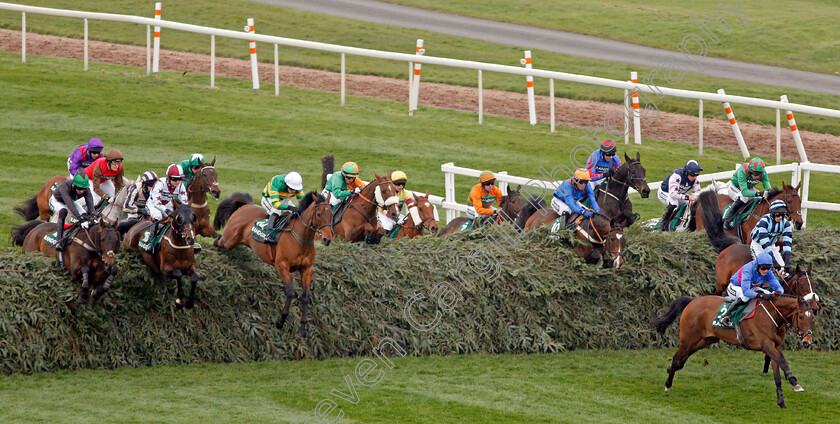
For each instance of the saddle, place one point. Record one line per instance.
(70, 231)
(739, 314)
(339, 209)
(742, 214)
(151, 244)
(680, 219)
(263, 234)
(393, 233)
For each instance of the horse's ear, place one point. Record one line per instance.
(376, 176)
(201, 163)
(626, 158)
(519, 187)
(389, 174)
(809, 268)
(427, 192)
(213, 163)
(638, 157)
(797, 269)
(796, 189)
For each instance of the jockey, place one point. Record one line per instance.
(277, 196)
(107, 175)
(84, 155)
(746, 284)
(482, 196)
(570, 192)
(746, 176)
(602, 163)
(767, 231)
(163, 194)
(68, 195)
(190, 167)
(138, 194)
(404, 196)
(342, 184)
(675, 190)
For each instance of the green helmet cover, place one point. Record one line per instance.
(81, 180)
(195, 158)
(757, 165)
(350, 169)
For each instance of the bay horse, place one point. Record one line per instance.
(509, 208)
(206, 181)
(89, 257)
(764, 332)
(175, 258)
(360, 209)
(612, 195)
(788, 193)
(602, 237)
(294, 250)
(422, 214)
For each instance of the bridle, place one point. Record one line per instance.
(423, 222)
(794, 323)
(310, 226)
(181, 230)
(107, 257)
(378, 200)
(632, 184)
(616, 254)
(204, 186)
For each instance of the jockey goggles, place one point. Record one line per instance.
(778, 214)
(579, 181)
(487, 183)
(764, 267)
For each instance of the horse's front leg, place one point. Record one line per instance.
(179, 293)
(107, 284)
(286, 277)
(777, 377)
(306, 283)
(85, 295)
(193, 280)
(775, 353)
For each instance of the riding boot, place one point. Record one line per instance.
(664, 223)
(725, 319)
(60, 233)
(565, 216)
(731, 213)
(271, 227)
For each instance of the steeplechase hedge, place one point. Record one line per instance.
(532, 295)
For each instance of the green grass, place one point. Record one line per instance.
(793, 34)
(255, 135)
(287, 22)
(573, 387)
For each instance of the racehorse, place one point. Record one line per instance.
(89, 257)
(762, 332)
(601, 236)
(612, 195)
(361, 208)
(38, 206)
(206, 181)
(175, 258)
(422, 214)
(509, 208)
(294, 250)
(788, 193)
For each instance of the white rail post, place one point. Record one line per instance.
(551, 99)
(626, 116)
(529, 82)
(410, 86)
(480, 100)
(737, 130)
(212, 61)
(637, 126)
(156, 55)
(415, 88)
(22, 37)
(794, 175)
(795, 131)
(700, 124)
(806, 185)
(503, 185)
(255, 74)
(86, 44)
(276, 71)
(343, 79)
(778, 138)
(449, 192)
(148, 50)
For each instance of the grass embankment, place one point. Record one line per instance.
(255, 135)
(572, 387)
(287, 23)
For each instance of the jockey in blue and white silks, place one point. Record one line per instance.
(767, 232)
(746, 284)
(679, 187)
(602, 163)
(568, 195)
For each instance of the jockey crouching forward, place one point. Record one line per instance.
(84, 155)
(106, 175)
(741, 187)
(404, 196)
(482, 197)
(602, 164)
(568, 195)
(675, 190)
(277, 198)
(161, 203)
(767, 231)
(746, 284)
(190, 167)
(342, 184)
(138, 195)
(69, 195)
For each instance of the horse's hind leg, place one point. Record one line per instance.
(191, 300)
(290, 294)
(777, 377)
(85, 295)
(683, 353)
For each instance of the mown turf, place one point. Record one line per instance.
(792, 34)
(287, 23)
(572, 387)
(255, 135)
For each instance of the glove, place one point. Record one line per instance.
(778, 292)
(106, 198)
(759, 194)
(86, 224)
(293, 209)
(609, 172)
(357, 189)
(765, 296)
(587, 213)
(691, 198)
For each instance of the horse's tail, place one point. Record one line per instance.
(328, 164)
(19, 233)
(228, 206)
(28, 209)
(124, 226)
(534, 204)
(674, 311)
(714, 222)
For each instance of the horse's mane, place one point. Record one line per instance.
(534, 204)
(773, 192)
(310, 198)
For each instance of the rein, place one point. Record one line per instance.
(316, 230)
(621, 201)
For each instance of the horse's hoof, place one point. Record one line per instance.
(179, 303)
(667, 388)
(190, 303)
(279, 323)
(782, 405)
(798, 388)
(302, 332)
